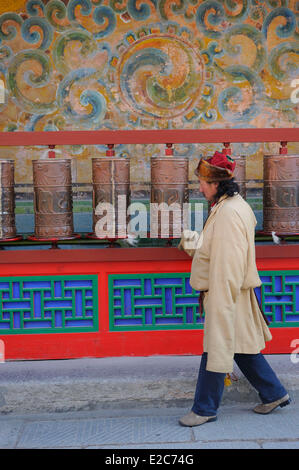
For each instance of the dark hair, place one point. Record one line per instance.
(229, 187)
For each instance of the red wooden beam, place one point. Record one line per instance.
(175, 136)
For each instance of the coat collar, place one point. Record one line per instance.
(215, 209)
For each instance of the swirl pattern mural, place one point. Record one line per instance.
(151, 84)
(92, 64)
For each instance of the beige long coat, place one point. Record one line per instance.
(224, 265)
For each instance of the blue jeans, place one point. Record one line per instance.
(256, 369)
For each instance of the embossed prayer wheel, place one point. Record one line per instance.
(281, 194)
(169, 191)
(240, 174)
(53, 201)
(111, 196)
(7, 200)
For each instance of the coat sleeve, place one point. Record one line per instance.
(189, 242)
(227, 269)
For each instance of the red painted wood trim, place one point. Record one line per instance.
(90, 255)
(130, 343)
(175, 136)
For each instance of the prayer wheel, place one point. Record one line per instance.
(281, 194)
(53, 201)
(7, 200)
(111, 196)
(240, 174)
(169, 191)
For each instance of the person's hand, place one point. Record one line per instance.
(189, 242)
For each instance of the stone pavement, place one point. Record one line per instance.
(237, 427)
(135, 403)
(123, 382)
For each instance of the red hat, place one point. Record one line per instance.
(223, 161)
(219, 167)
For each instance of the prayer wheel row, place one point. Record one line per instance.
(53, 204)
(281, 194)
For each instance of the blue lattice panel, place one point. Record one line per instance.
(153, 301)
(48, 304)
(279, 296)
(167, 301)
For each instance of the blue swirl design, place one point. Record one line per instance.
(151, 57)
(141, 13)
(240, 73)
(5, 55)
(210, 115)
(99, 15)
(282, 31)
(88, 97)
(32, 5)
(213, 18)
(35, 36)
(85, 8)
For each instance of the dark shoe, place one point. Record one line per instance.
(266, 408)
(192, 419)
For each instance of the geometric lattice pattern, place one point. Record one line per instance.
(167, 301)
(46, 304)
(279, 296)
(153, 302)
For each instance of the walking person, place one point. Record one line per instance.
(224, 271)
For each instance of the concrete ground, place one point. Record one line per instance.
(135, 403)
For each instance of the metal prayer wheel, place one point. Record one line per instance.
(7, 200)
(53, 201)
(169, 191)
(240, 174)
(281, 194)
(111, 196)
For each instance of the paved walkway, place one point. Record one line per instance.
(123, 382)
(237, 427)
(135, 403)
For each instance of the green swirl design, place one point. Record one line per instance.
(36, 81)
(176, 8)
(89, 46)
(56, 10)
(119, 6)
(11, 30)
(233, 6)
(240, 74)
(254, 35)
(275, 56)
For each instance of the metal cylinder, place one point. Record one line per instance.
(7, 200)
(53, 202)
(240, 174)
(281, 194)
(111, 196)
(169, 191)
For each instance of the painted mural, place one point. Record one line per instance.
(154, 64)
